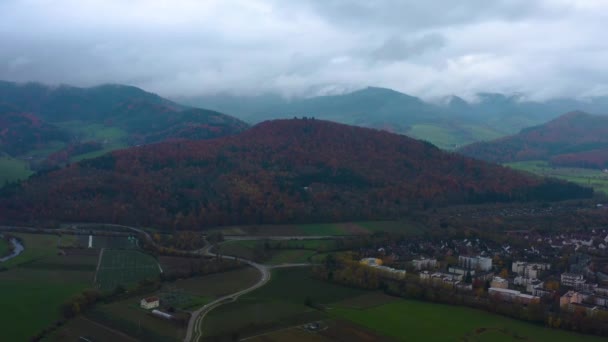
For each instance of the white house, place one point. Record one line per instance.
(149, 303)
(482, 263)
(424, 264)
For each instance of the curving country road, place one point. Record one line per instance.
(195, 325)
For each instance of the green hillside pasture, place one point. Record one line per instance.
(452, 136)
(419, 321)
(279, 303)
(596, 179)
(32, 292)
(437, 135)
(93, 131)
(12, 170)
(47, 149)
(126, 268)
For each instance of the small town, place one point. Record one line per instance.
(568, 269)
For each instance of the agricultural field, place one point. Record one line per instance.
(82, 326)
(100, 241)
(40, 275)
(289, 256)
(596, 179)
(126, 268)
(409, 320)
(37, 246)
(217, 284)
(280, 303)
(302, 250)
(329, 330)
(12, 170)
(323, 229)
(128, 317)
(4, 247)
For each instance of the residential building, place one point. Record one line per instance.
(498, 282)
(424, 264)
(377, 264)
(529, 270)
(371, 261)
(572, 279)
(149, 303)
(477, 262)
(571, 297)
(461, 270)
(513, 295)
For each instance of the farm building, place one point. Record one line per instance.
(149, 303)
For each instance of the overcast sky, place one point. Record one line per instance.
(429, 48)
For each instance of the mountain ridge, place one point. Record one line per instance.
(280, 171)
(558, 141)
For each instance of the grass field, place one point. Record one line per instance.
(324, 229)
(126, 268)
(301, 252)
(330, 330)
(408, 320)
(586, 177)
(37, 246)
(4, 247)
(81, 326)
(128, 317)
(289, 256)
(279, 303)
(12, 170)
(217, 284)
(37, 283)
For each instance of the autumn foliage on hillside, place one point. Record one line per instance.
(574, 139)
(282, 171)
(21, 131)
(144, 117)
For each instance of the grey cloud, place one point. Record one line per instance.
(397, 48)
(431, 48)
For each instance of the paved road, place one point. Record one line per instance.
(195, 325)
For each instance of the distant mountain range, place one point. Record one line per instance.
(449, 125)
(575, 139)
(299, 170)
(39, 121)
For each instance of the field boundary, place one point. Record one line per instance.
(98, 265)
(109, 329)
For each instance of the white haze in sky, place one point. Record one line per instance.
(431, 48)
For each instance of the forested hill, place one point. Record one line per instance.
(46, 126)
(298, 170)
(21, 132)
(574, 139)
